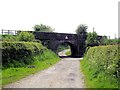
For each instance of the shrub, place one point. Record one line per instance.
(9, 38)
(12, 51)
(26, 36)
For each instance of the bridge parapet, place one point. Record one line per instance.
(55, 36)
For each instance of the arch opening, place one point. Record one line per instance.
(65, 49)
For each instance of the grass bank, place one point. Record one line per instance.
(101, 67)
(41, 62)
(68, 53)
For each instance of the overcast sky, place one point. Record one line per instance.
(62, 15)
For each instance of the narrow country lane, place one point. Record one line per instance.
(65, 74)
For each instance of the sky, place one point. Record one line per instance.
(62, 15)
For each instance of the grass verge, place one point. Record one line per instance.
(94, 80)
(41, 62)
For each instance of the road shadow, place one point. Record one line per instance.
(68, 57)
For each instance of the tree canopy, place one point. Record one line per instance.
(43, 28)
(82, 29)
(92, 38)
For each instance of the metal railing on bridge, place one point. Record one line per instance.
(8, 32)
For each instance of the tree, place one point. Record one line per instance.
(92, 39)
(43, 28)
(103, 40)
(82, 29)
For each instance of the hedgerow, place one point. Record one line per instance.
(41, 62)
(101, 66)
(21, 36)
(9, 38)
(15, 52)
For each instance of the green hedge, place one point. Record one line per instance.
(14, 52)
(102, 64)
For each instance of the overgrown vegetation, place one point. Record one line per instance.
(14, 53)
(101, 67)
(22, 56)
(22, 36)
(41, 61)
(112, 41)
(68, 53)
(93, 40)
(9, 38)
(26, 36)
